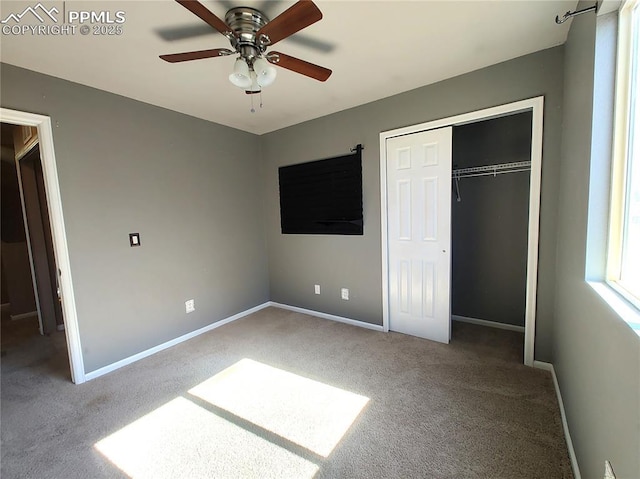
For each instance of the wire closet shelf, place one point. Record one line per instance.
(492, 170)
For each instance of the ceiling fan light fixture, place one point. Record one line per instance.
(265, 73)
(240, 76)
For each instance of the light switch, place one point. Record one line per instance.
(134, 239)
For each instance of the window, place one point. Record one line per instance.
(623, 262)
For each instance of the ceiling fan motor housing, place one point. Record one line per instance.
(246, 22)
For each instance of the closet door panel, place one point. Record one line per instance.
(419, 238)
(430, 209)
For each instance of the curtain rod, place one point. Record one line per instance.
(571, 14)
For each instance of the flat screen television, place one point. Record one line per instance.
(322, 197)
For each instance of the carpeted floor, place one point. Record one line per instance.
(280, 394)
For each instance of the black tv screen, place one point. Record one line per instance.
(322, 197)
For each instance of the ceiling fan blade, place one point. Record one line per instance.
(187, 56)
(205, 14)
(299, 66)
(295, 18)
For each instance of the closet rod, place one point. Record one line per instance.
(492, 169)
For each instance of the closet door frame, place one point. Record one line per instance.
(534, 105)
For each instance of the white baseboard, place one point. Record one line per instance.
(332, 317)
(30, 314)
(565, 425)
(136, 357)
(491, 324)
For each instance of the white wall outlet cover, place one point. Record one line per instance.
(345, 294)
(316, 288)
(190, 306)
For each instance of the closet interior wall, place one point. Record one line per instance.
(489, 221)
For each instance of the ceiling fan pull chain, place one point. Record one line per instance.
(260, 99)
(253, 110)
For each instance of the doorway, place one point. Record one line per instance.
(43, 179)
(391, 146)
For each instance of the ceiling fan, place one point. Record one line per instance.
(250, 33)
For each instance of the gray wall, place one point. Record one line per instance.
(489, 225)
(191, 188)
(188, 186)
(297, 262)
(596, 355)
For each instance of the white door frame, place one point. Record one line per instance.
(535, 105)
(58, 233)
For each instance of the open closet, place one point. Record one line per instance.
(491, 164)
(460, 221)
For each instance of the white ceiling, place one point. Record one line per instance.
(380, 48)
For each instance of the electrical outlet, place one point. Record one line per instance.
(608, 471)
(316, 288)
(345, 294)
(190, 306)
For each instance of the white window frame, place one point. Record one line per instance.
(625, 94)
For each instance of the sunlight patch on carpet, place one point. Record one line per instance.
(181, 439)
(309, 413)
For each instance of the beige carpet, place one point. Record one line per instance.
(280, 394)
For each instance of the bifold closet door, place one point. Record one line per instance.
(419, 233)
